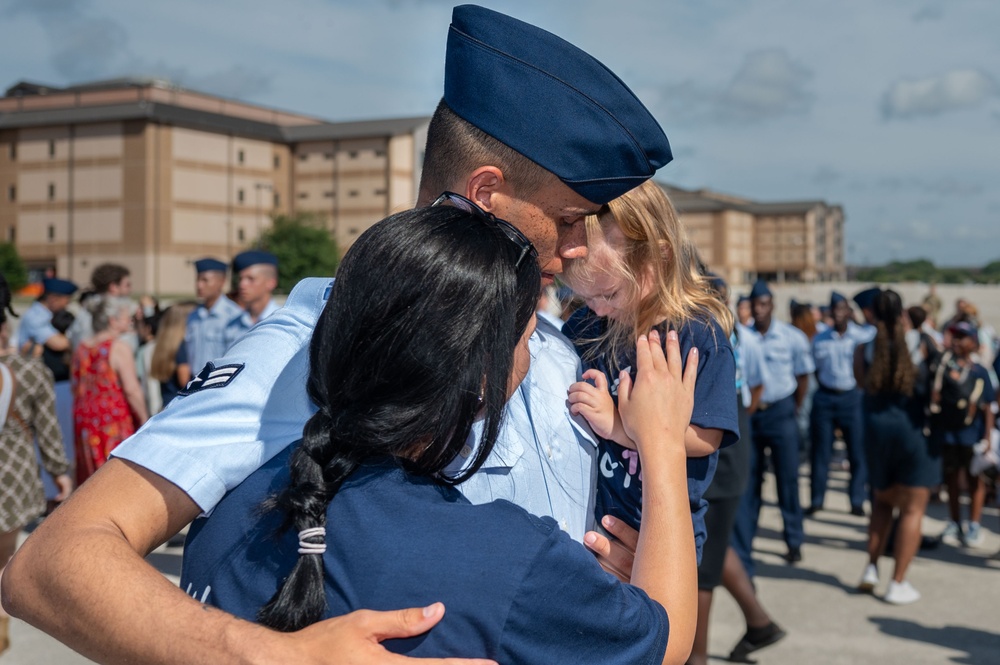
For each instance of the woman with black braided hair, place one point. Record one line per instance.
(365, 516)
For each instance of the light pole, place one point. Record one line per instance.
(259, 186)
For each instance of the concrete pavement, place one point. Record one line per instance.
(828, 623)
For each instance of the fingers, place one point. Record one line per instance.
(659, 362)
(624, 390)
(584, 393)
(643, 358)
(613, 556)
(400, 623)
(599, 378)
(628, 536)
(691, 369)
(673, 353)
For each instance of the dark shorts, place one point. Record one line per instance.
(955, 457)
(719, 520)
(898, 452)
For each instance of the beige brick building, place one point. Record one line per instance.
(144, 173)
(741, 239)
(153, 176)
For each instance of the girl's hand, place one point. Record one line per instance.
(656, 409)
(594, 403)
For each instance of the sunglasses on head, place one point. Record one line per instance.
(508, 229)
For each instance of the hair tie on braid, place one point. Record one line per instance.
(306, 547)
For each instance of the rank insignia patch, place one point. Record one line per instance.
(212, 377)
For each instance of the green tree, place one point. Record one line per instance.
(12, 267)
(303, 247)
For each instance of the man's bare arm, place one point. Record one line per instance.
(84, 567)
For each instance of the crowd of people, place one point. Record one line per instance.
(412, 435)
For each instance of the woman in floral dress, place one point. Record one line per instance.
(108, 403)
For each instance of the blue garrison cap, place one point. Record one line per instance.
(759, 290)
(742, 299)
(208, 263)
(717, 283)
(252, 257)
(551, 102)
(964, 328)
(836, 298)
(866, 299)
(62, 287)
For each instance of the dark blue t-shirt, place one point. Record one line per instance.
(516, 588)
(619, 480)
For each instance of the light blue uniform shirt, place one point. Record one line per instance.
(36, 325)
(205, 336)
(253, 403)
(749, 362)
(833, 354)
(242, 322)
(786, 356)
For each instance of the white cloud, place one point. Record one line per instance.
(768, 84)
(957, 89)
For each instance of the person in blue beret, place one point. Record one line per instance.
(588, 141)
(787, 366)
(837, 404)
(257, 272)
(865, 300)
(204, 336)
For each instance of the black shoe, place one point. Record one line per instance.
(794, 555)
(929, 542)
(858, 511)
(812, 510)
(756, 638)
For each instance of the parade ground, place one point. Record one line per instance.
(827, 621)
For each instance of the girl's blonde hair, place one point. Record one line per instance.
(654, 249)
(169, 336)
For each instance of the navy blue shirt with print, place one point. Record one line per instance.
(517, 589)
(619, 480)
(976, 431)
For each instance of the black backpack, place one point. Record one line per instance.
(955, 394)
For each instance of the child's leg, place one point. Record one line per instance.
(880, 523)
(911, 515)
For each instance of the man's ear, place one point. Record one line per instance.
(484, 184)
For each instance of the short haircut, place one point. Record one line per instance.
(107, 274)
(455, 147)
(917, 315)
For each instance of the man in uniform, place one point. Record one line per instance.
(837, 403)
(205, 334)
(258, 278)
(594, 142)
(787, 366)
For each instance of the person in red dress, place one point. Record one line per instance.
(108, 404)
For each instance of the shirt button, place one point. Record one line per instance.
(466, 451)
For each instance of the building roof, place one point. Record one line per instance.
(346, 130)
(706, 200)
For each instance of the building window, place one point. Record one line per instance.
(240, 156)
(240, 195)
(52, 233)
(328, 195)
(52, 148)
(380, 153)
(303, 157)
(277, 199)
(277, 161)
(303, 195)
(52, 191)
(353, 154)
(353, 193)
(380, 192)
(353, 230)
(12, 193)
(240, 236)
(327, 155)
(13, 151)
(12, 234)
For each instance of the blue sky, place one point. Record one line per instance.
(889, 108)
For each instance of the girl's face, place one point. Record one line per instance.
(606, 295)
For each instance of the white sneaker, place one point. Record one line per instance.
(953, 535)
(901, 593)
(974, 535)
(869, 580)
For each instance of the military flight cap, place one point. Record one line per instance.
(866, 299)
(253, 257)
(760, 289)
(836, 298)
(62, 287)
(551, 102)
(208, 263)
